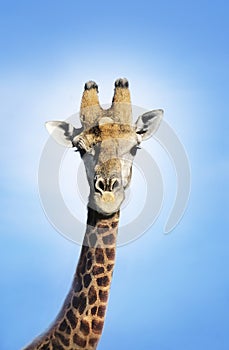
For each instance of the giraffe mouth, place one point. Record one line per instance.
(106, 203)
(108, 197)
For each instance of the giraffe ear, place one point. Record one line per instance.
(62, 132)
(148, 123)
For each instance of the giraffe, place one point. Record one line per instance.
(107, 142)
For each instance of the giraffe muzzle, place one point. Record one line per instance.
(106, 186)
(108, 197)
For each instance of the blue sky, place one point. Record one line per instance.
(169, 291)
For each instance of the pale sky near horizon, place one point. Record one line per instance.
(169, 292)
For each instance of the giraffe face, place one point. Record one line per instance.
(108, 162)
(107, 142)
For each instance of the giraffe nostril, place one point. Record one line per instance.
(114, 184)
(100, 185)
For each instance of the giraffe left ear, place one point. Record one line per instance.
(148, 123)
(63, 133)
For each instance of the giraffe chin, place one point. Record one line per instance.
(108, 203)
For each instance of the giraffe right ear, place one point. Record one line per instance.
(63, 133)
(148, 123)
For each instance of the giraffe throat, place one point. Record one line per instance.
(80, 322)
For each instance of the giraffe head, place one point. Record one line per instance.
(107, 143)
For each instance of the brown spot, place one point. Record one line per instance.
(82, 266)
(103, 281)
(56, 345)
(72, 318)
(99, 256)
(84, 327)
(63, 326)
(94, 310)
(87, 280)
(92, 295)
(110, 267)
(101, 311)
(82, 304)
(45, 347)
(114, 224)
(103, 295)
(97, 270)
(79, 341)
(93, 341)
(97, 326)
(104, 226)
(75, 302)
(62, 338)
(92, 240)
(68, 330)
(78, 284)
(108, 240)
(89, 264)
(110, 252)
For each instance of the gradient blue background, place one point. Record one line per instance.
(169, 292)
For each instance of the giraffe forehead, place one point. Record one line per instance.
(116, 130)
(107, 131)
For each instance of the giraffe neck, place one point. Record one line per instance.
(80, 322)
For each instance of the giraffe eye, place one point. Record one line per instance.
(133, 150)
